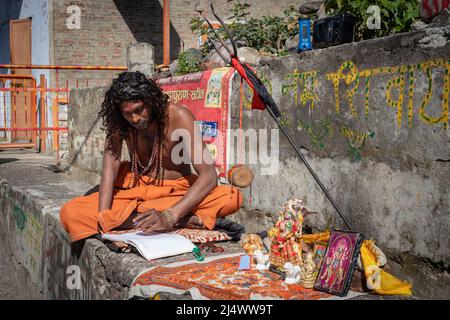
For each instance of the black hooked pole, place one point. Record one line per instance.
(271, 106)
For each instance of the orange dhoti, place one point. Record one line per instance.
(81, 218)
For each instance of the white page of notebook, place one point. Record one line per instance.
(154, 246)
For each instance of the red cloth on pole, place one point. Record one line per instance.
(257, 102)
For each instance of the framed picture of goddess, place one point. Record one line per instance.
(338, 263)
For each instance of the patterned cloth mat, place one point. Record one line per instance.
(218, 278)
(202, 235)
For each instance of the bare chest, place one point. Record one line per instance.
(146, 149)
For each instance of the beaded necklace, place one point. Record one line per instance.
(138, 170)
(143, 168)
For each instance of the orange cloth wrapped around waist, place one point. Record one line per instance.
(80, 216)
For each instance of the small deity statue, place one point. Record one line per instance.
(292, 273)
(252, 242)
(308, 276)
(262, 260)
(286, 235)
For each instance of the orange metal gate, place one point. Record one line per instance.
(20, 125)
(18, 111)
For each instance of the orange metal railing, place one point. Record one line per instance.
(26, 108)
(54, 67)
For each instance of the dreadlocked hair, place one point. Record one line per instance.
(132, 86)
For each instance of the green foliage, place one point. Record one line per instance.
(317, 132)
(187, 63)
(284, 120)
(268, 33)
(396, 16)
(356, 147)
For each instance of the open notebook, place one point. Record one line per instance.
(154, 246)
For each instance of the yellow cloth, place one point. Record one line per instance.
(379, 280)
(316, 237)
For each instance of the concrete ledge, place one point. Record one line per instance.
(31, 229)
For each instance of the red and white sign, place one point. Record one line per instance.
(207, 94)
(430, 8)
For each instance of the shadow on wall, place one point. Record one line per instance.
(145, 21)
(7, 160)
(80, 148)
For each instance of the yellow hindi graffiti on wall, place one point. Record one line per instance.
(398, 83)
(401, 88)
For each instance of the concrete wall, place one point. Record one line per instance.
(86, 139)
(32, 234)
(372, 120)
(31, 231)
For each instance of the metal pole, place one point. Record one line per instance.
(166, 32)
(42, 111)
(56, 119)
(34, 120)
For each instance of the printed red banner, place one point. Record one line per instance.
(207, 95)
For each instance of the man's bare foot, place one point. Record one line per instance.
(122, 246)
(190, 221)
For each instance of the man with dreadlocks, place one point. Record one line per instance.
(154, 192)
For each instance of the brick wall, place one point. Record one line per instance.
(108, 26)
